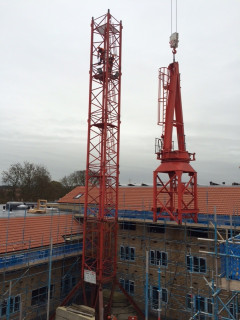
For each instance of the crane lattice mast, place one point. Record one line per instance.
(176, 196)
(102, 168)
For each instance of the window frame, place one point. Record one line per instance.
(122, 252)
(234, 308)
(206, 301)
(128, 285)
(193, 264)
(127, 253)
(43, 294)
(153, 228)
(12, 307)
(67, 283)
(153, 290)
(78, 196)
(128, 225)
(189, 301)
(158, 261)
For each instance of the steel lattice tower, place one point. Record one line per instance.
(102, 168)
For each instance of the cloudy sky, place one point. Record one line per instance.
(44, 78)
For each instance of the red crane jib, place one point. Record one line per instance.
(175, 198)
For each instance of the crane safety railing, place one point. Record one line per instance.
(31, 257)
(164, 79)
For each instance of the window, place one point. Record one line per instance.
(78, 196)
(158, 258)
(200, 303)
(189, 301)
(154, 296)
(126, 225)
(234, 309)
(13, 303)
(67, 283)
(203, 304)
(196, 264)
(232, 233)
(40, 295)
(198, 233)
(209, 306)
(153, 228)
(122, 253)
(164, 295)
(127, 253)
(128, 285)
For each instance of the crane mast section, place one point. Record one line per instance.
(102, 167)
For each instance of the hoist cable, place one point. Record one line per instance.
(172, 15)
(176, 15)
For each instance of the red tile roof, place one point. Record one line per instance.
(226, 199)
(74, 196)
(19, 233)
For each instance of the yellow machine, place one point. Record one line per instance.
(41, 207)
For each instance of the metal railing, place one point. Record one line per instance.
(16, 259)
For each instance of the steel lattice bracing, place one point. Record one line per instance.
(177, 197)
(102, 170)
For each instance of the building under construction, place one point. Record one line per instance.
(171, 249)
(193, 267)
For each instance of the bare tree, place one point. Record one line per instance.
(29, 181)
(12, 178)
(77, 178)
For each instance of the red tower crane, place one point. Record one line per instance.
(102, 169)
(176, 197)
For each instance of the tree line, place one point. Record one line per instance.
(30, 182)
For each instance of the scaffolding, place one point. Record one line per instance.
(192, 270)
(40, 259)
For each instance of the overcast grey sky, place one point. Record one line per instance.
(44, 78)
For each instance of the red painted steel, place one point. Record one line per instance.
(102, 169)
(177, 197)
(130, 299)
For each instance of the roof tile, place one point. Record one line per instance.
(19, 233)
(223, 199)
